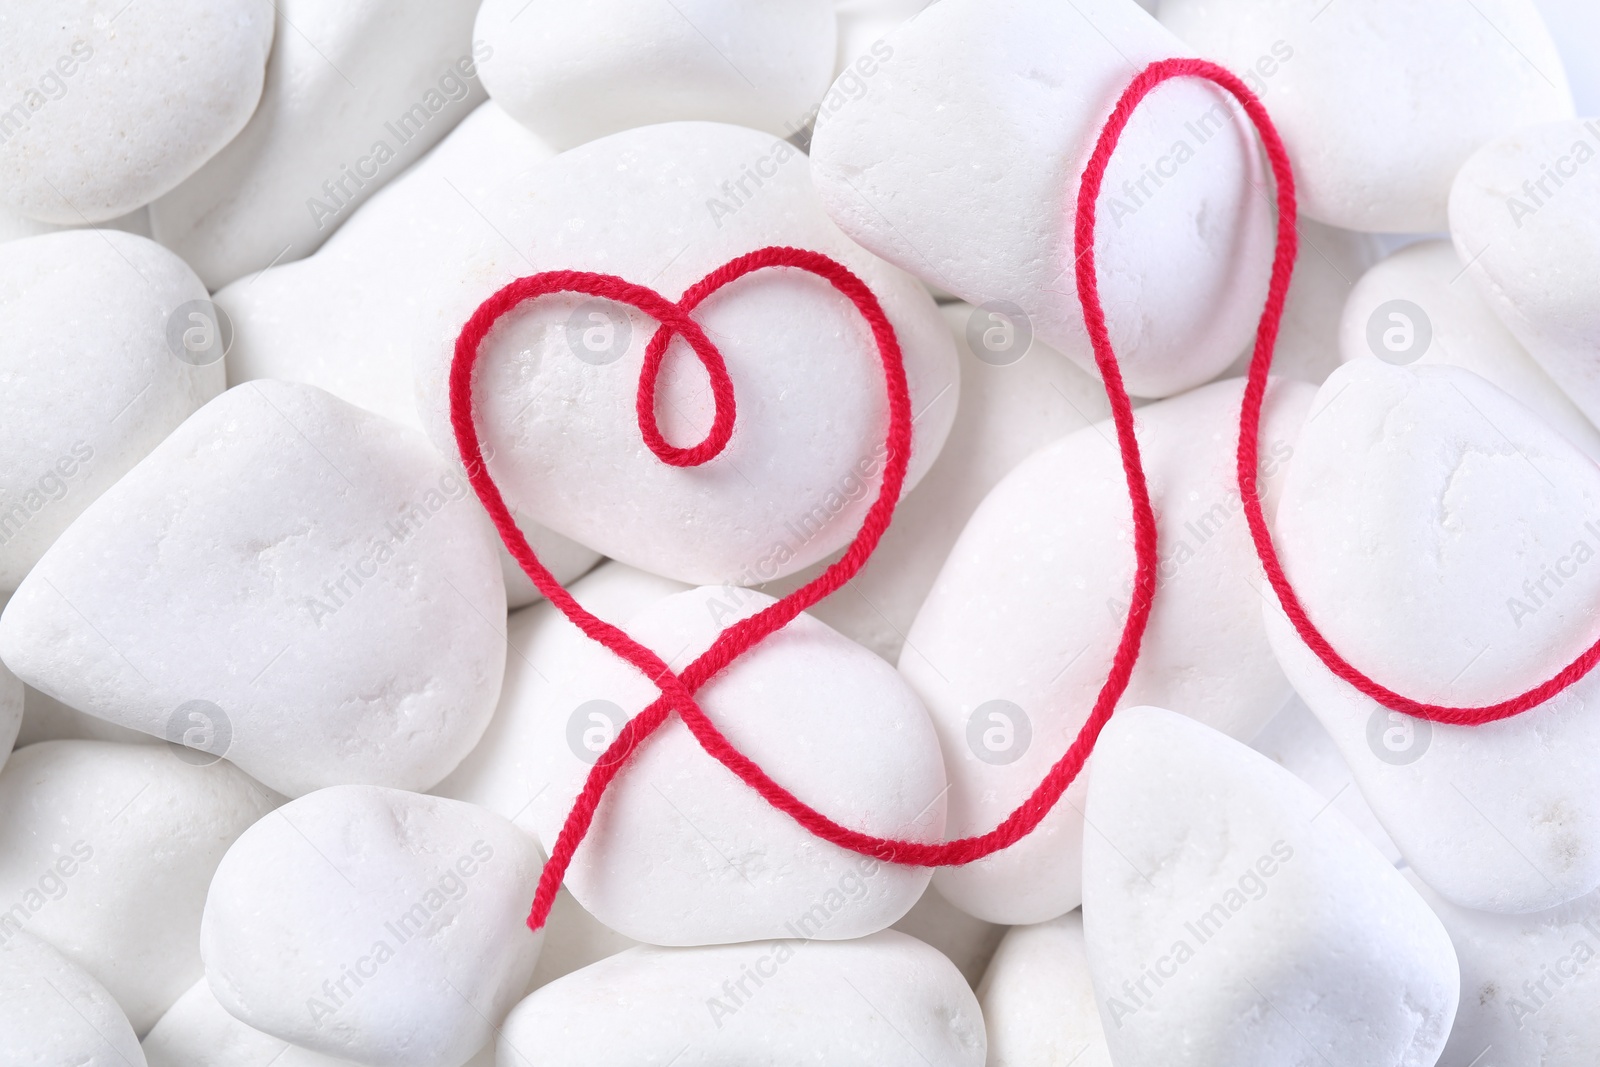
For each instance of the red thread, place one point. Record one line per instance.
(677, 690)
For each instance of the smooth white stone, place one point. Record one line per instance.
(1422, 506)
(1529, 984)
(967, 942)
(962, 113)
(348, 318)
(573, 939)
(799, 474)
(1450, 323)
(885, 1000)
(1038, 1003)
(374, 924)
(355, 93)
(52, 1014)
(1296, 741)
(684, 853)
(106, 851)
(88, 377)
(575, 72)
(14, 227)
(1380, 103)
(111, 104)
(316, 575)
(1329, 263)
(1534, 248)
(1007, 411)
(507, 770)
(1016, 638)
(198, 1032)
(1233, 920)
(45, 718)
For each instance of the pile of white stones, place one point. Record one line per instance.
(286, 735)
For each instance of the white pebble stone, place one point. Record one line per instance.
(960, 113)
(1416, 307)
(1380, 103)
(198, 1032)
(1529, 983)
(1017, 395)
(106, 851)
(575, 72)
(355, 93)
(374, 924)
(89, 375)
(968, 942)
(309, 586)
(508, 768)
(1231, 918)
(1038, 1003)
(886, 1000)
(1422, 513)
(1525, 213)
(557, 382)
(110, 106)
(1016, 638)
(573, 939)
(53, 1014)
(684, 853)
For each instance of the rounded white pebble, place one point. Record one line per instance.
(53, 1014)
(961, 112)
(109, 108)
(1444, 539)
(106, 851)
(1380, 103)
(355, 93)
(1525, 213)
(1014, 642)
(684, 853)
(94, 373)
(375, 925)
(198, 1032)
(288, 580)
(1230, 918)
(886, 1000)
(575, 72)
(1038, 1002)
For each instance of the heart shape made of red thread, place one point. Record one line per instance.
(678, 688)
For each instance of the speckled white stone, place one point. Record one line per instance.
(106, 105)
(995, 109)
(316, 573)
(806, 455)
(106, 851)
(52, 1014)
(575, 72)
(1007, 410)
(1534, 245)
(1422, 508)
(886, 1000)
(682, 852)
(1031, 604)
(1461, 329)
(1231, 918)
(88, 379)
(198, 1032)
(1380, 103)
(377, 925)
(355, 93)
(1529, 983)
(1038, 1004)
